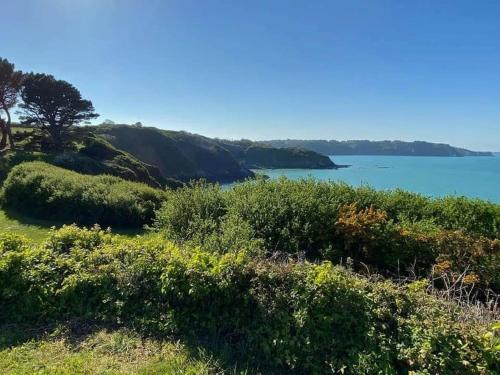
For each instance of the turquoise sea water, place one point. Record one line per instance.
(477, 177)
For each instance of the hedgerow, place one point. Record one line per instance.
(395, 233)
(285, 317)
(48, 192)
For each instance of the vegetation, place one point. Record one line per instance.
(254, 155)
(48, 192)
(68, 350)
(10, 84)
(394, 233)
(269, 157)
(34, 229)
(184, 156)
(91, 155)
(53, 105)
(97, 156)
(295, 316)
(10, 159)
(178, 155)
(361, 147)
(38, 230)
(276, 276)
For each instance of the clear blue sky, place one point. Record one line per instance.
(426, 70)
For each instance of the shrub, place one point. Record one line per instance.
(368, 236)
(193, 212)
(395, 233)
(295, 317)
(45, 191)
(473, 216)
(475, 260)
(10, 159)
(288, 216)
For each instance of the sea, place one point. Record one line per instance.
(471, 176)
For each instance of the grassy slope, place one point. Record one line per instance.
(91, 155)
(257, 156)
(98, 352)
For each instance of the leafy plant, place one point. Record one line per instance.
(45, 191)
(296, 317)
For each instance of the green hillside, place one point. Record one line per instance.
(255, 155)
(88, 154)
(178, 155)
(185, 156)
(97, 156)
(157, 157)
(364, 147)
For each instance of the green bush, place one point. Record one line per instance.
(41, 190)
(290, 317)
(396, 233)
(195, 212)
(10, 159)
(288, 216)
(369, 237)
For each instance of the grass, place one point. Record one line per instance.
(99, 352)
(38, 230)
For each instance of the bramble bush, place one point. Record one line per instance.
(293, 317)
(44, 191)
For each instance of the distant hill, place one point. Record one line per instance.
(255, 155)
(179, 155)
(364, 147)
(184, 156)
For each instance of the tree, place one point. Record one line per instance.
(53, 105)
(10, 84)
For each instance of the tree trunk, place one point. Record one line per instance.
(55, 134)
(3, 130)
(9, 130)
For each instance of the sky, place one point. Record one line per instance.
(369, 69)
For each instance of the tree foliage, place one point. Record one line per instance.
(10, 84)
(53, 105)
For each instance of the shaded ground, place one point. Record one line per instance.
(98, 350)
